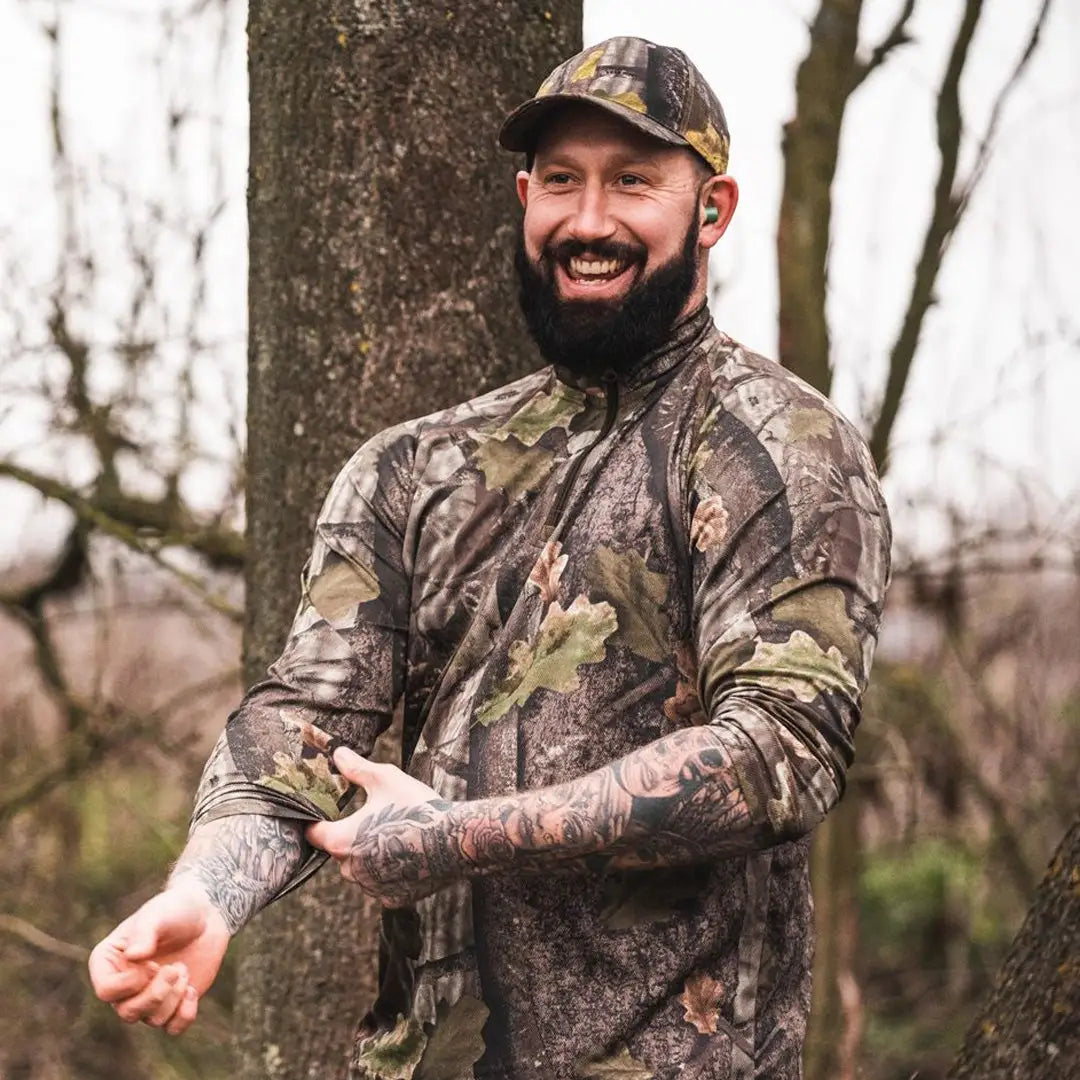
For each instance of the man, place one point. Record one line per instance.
(623, 610)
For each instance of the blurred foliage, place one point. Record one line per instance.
(92, 851)
(98, 842)
(933, 933)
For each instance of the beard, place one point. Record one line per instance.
(597, 337)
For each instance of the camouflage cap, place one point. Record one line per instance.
(654, 87)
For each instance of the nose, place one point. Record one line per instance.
(591, 219)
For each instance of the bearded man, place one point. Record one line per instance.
(622, 609)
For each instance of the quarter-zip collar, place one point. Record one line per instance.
(684, 335)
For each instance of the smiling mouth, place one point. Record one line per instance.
(585, 269)
(590, 271)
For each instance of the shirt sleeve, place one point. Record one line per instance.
(341, 672)
(789, 548)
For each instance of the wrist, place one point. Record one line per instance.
(186, 883)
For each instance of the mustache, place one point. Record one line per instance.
(568, 249)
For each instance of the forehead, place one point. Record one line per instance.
(577, 129)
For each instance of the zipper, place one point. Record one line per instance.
(563, 497)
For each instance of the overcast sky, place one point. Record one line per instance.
(993, 402)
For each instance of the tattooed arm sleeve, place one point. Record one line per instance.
(337, 680)
(241, 863)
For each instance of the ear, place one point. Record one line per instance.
(521, 182)
(722, 193)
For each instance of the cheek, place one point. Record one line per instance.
(541, 224)
(661, 234)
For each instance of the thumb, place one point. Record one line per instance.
(355, 768)
(142, 939)
(169, 920)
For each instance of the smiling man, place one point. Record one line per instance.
(623, 610)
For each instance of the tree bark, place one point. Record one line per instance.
(382, 221)
(828, 74)
(835, 1029)
(1030, 1027)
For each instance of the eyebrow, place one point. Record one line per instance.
(637, 159)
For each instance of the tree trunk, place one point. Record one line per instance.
(828, 74)
(1030, 1027)
(824, 82)
(835, 1030)
(382, 220)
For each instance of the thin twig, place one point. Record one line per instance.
(40, 940)
(896, 37)
(986, 144)
(951, 201)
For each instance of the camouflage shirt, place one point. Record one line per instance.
(533, 584)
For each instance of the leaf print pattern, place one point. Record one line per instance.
(394, 1055)
(565, 640)
(620, 1066)
(798, 666)
(548, 569)
(341, 589)
(309, 778)
(710, 524)
(684, 707)
(509, 466)
(538, 416)
(456, 1043)
(638, 595)
(700, 1000)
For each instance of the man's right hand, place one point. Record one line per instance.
(158, 962)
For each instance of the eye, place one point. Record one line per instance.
(558, 179)
(627, 180)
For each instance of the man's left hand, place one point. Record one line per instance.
(391, 846)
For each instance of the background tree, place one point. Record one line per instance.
(830, 73)
(382, 220)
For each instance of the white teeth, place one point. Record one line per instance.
(580, 267)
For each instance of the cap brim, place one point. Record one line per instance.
(519, 130)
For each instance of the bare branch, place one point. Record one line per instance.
(110, 729)
(986, 145)
(943, 220)
(87, 511)
(896, 37)
(40, 940)
(951, 201)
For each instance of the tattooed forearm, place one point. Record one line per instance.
(674, 802)
(241, 863)
(678, 801)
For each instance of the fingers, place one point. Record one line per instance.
(356, 768)
(185, 1015)
(148, 1002)
(113, 976)
(164, 1012)
(333, 837)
